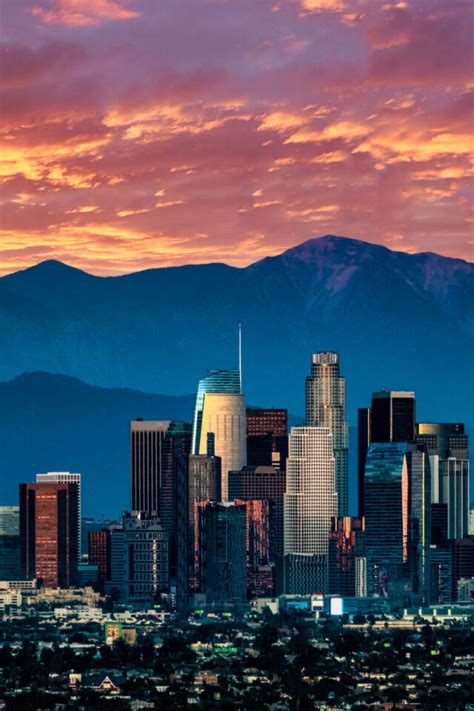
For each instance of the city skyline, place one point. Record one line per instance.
(134, 141)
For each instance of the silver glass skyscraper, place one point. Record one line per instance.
(326, 407)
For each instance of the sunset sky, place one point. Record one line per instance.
(148, 133)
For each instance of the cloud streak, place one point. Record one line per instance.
(132, 139)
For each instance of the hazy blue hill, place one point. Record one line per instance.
(399, 321)
(57, 423)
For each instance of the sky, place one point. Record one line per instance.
(149, 133)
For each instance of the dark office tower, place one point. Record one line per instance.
(448, 447)
(326, 407)
(363, 442)
(176, 444)
(439, 524)
(155, 447)
(199, 480)
(48, 533)
(9, 543)
(462, 551)
(260, 568)
(386, 492)
(251, 483)
(346, 549)
(393, 416)
(100, 554)
(146, 450)
(222, 552)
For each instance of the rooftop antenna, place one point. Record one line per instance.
(240, 356)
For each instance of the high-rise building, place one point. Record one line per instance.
(398, 521)
(100, 553)
(310, 502)
(326, 407)
(219, 422)
(448, 448)
(48, 532)
(262, 483)
(393, 416)
(346, 548)
(386, 492)
(419, 483)
(139, 558)
(260, 566)
(176, 445)
(9, 542)
(363, 443)
(155, 449)
(218, 381)
(199, 481)
(67, 478)
(146, 445)
(222, 532)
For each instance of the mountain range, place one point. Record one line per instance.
(399, 321)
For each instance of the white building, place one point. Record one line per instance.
(310, 502)
(223, 432)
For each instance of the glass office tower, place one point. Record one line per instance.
(219, 422)
(326, 407)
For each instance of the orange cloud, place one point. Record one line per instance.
(80, 13)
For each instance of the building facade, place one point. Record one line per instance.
(346, 548)
(222, 531)
(67, 478)
(9, 542)
(326, 407)
(267, 437)
(310, 502)
(48, 533)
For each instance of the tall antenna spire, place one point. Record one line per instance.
(240, 356)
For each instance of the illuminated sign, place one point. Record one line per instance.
(337, 606)
(317, 601)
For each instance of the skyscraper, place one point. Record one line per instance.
(260, 566)
(67, 478)
(386, 491)
(363, 443)
(398, 521)
(146, 442)
(393, 416)
(346, 546)
(262, 483)
(48, 532)
(100, 553)
(310, 502)
(9, 542)
(155, 447)
(199, 481)
(223, 552)
(326, 407)
(448, 448)
(219, 422)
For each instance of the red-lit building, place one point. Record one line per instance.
(346, 542)
(48, 533)
(260, 567)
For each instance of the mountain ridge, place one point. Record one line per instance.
(397, 320)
